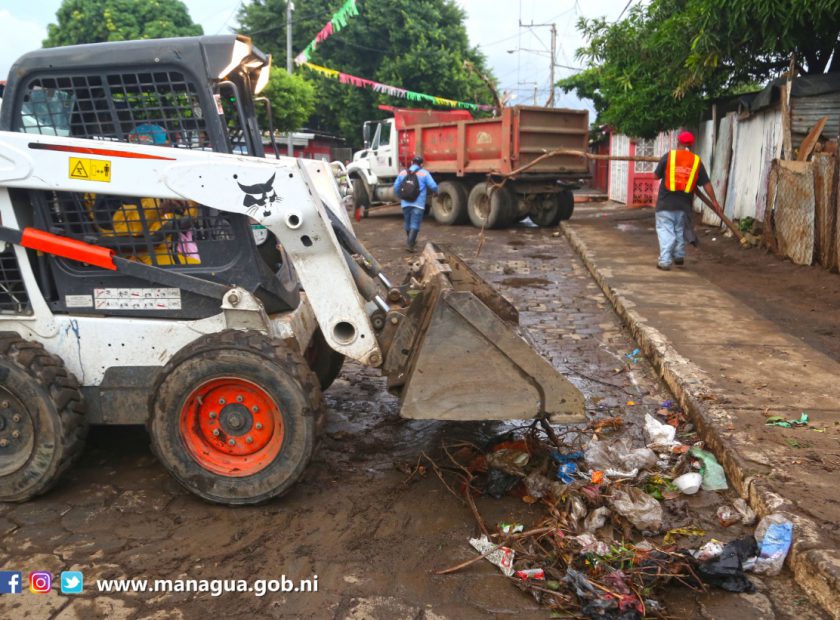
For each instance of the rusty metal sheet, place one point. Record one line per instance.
(720, 166)
(825, 212)
(793, 211)
(835, 256)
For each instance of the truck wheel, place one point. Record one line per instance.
(233, 417)
(492, 210)
(325, 362)
(361, 200)
(42, 419)
(566, 201)
(546, 211)
(450, 205)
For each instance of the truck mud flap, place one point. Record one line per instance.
(459, 354)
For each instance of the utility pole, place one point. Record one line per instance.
(550, 102)
(289, 64)
(552, 60)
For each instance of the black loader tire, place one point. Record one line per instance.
(253, 359)
(493, 210)
(566, 200)
(450, 205)
(325, 362)
(40, 402)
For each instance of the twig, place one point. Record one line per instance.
(453, 569)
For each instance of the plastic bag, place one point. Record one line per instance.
(660, 436)
(643, 511)
(714, 478)
(618, 456)
(727, 569)
(596, 519)
(589, 544)
(500, 556)
(776, 538)
(747, 513)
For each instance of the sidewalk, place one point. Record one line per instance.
(731, 368)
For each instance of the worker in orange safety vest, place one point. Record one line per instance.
(681, 173)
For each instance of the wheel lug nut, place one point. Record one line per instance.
(15, 434)
(4, 443)
(215, 432)
(16, 418)
(231, 442)
(240, 398)
(212, 415)
(249, 439)
(4, 404)
(255, 409)
(259, 426)
(221, 401)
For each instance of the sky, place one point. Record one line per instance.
(518, 56)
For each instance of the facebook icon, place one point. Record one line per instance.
(9, 582)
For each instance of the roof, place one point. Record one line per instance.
(216, 54)
(803, 86)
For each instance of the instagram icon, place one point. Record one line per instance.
(40, 582)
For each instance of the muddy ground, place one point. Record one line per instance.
(372, 539)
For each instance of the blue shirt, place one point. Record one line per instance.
(426, 183)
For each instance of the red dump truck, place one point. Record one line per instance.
(476, 163)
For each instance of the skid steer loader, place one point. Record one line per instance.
(157, 268)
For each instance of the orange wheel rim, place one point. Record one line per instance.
(231, 427)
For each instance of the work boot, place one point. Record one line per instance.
(663, 267)
(411, 242)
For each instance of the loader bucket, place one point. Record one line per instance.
(459, 353)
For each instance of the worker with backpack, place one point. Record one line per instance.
(411, 186)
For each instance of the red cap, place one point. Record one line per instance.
(686, 137)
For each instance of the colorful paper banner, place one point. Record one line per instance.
(393, 91)
(338, 21)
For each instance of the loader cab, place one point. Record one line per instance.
(193, 93)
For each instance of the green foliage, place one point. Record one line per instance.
(96, 21)
(657, 68)
(420, 45)
(292, 100)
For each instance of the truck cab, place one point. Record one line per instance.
(373, 169)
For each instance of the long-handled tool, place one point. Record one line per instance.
(729, 223)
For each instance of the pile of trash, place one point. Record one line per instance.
(600, 544)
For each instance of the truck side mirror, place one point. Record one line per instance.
(366, 134)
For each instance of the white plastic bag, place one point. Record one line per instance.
(642, 510)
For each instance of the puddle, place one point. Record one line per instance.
(525, 282)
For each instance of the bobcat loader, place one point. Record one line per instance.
(157, 268)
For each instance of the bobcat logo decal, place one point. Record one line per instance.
(261, 195)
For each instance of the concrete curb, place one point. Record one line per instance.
(813, 560)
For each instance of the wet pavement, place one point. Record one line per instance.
(372, 538)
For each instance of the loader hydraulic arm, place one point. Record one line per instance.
(293, 198)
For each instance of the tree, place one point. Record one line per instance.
(657, 68)
(420, 45)
(96, 21)
(292, 99)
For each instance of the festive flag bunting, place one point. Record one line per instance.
(338, 21)
(393, 91)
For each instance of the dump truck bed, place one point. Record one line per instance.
(499, 145)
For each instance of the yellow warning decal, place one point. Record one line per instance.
(90, 169)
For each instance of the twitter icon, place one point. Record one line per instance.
(72, 582)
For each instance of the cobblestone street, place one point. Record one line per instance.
(372, 539)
